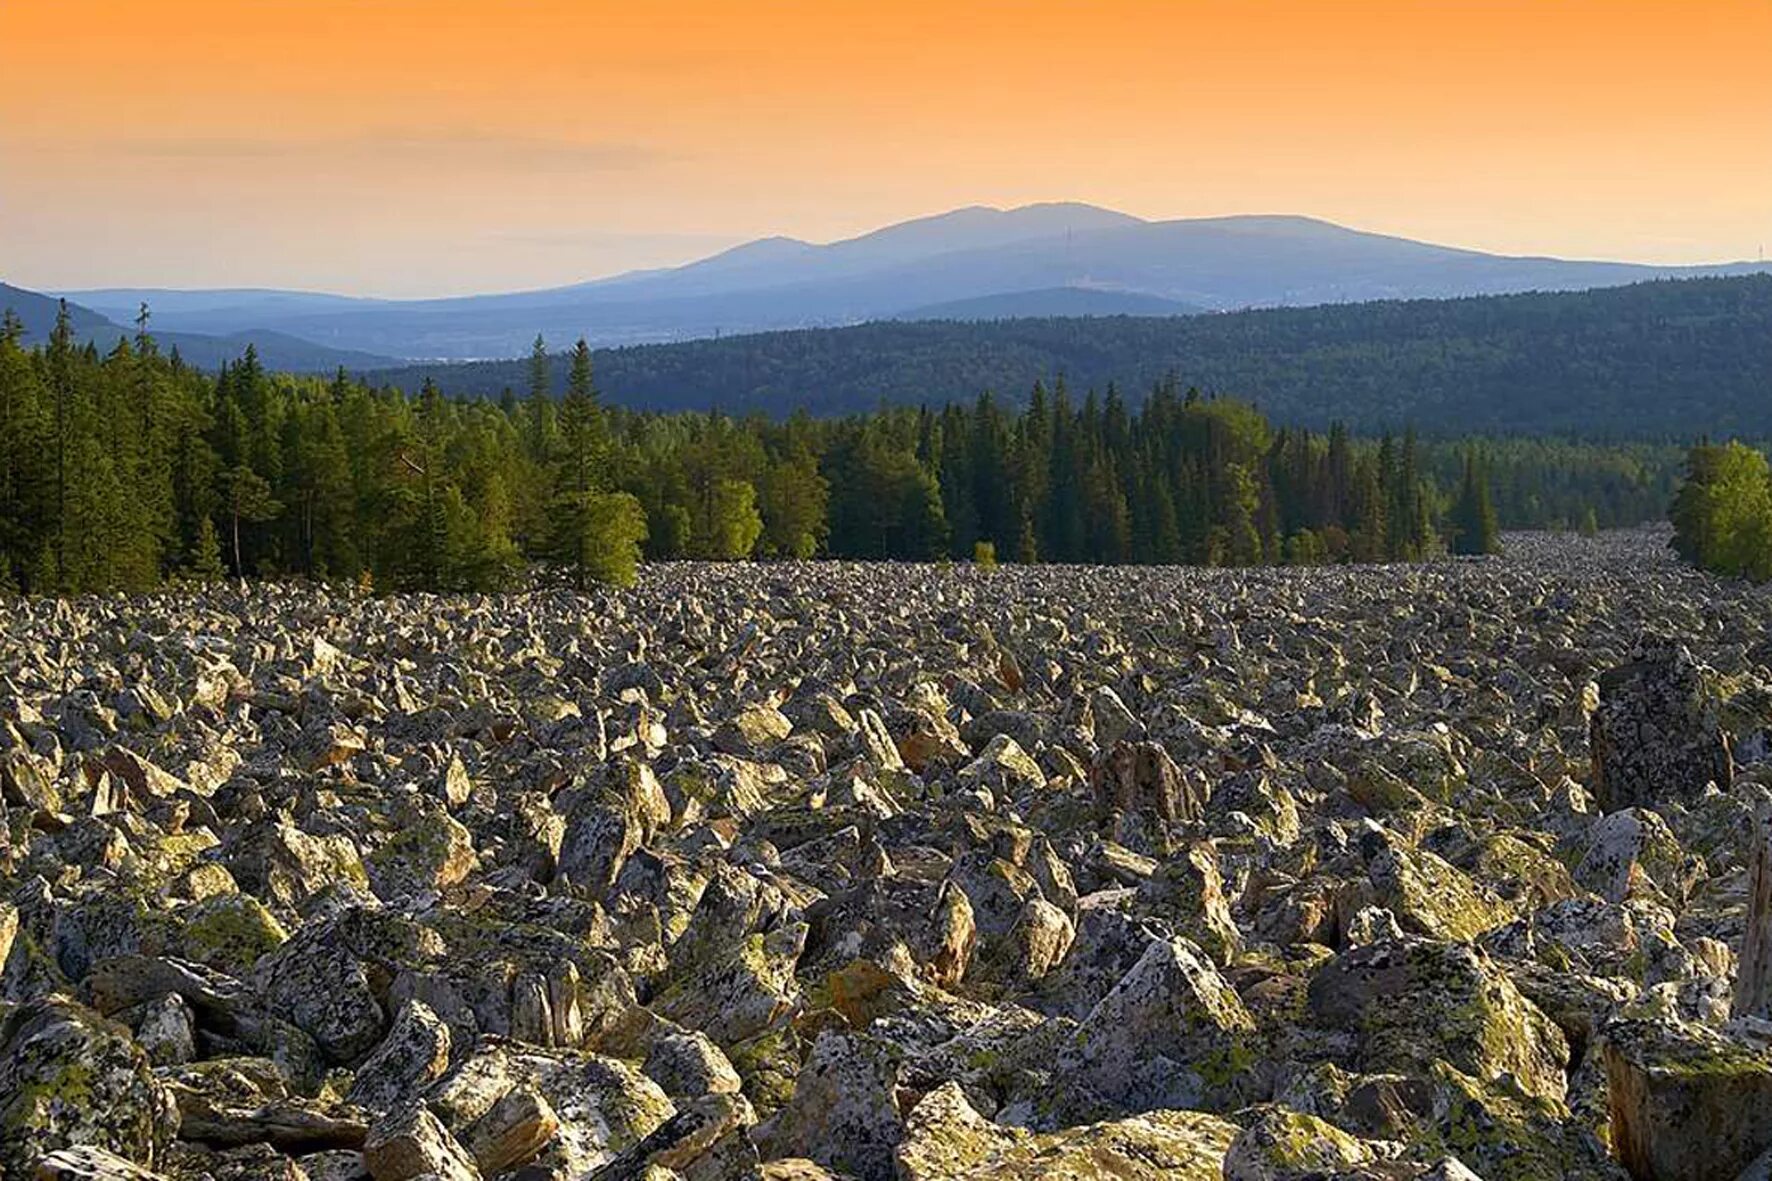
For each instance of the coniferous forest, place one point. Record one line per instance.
(125, 469)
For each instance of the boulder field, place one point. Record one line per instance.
(880, 872)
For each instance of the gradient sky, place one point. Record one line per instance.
(410, 147)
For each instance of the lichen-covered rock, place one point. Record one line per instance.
(167, 1031)
(946, 1138)
(1500, 1131)
(691, 1141)
(1036, 944)
(567, 1110)
(844, 1113)
(740, 993)
(432, 851)
(599, 838)
(1406, 1005)
(90, 1164)
(513, 1131)
(752, 732)
(1140, 777)
(410, 1143)
(1686, 1101)
(230, 931)
(282, 865)
(926, 740)
(414, 1054)
(8, 930)
(1283, 1145)
(1004, 769)
(917, 872)
(913, 927)
(70, 1078)
(687, 1063)
(1188, 890)
(320, 985)
(1656, 734)
(1171, 1034)
(1427, 895)
(1633, 854)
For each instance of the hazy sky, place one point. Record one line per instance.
(408, 147)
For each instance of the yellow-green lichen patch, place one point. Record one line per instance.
(230, 932)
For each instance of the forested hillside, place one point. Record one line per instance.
(1662, 360)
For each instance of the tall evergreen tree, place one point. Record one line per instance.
(1474, 528)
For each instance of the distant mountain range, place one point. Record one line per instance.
(974, 264)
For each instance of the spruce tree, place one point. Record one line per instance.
(585, 521)
(206, 557)
(1474, 529)
(541, 403)
(583, 435)
(59, 361)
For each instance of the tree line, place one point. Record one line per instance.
(125, 469)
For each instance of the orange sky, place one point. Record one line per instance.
(429, 146)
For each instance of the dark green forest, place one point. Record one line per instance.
(1656, 361)
(130, 468)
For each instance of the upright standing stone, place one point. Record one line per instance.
(1753, 980)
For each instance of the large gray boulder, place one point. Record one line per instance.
(1656, 735)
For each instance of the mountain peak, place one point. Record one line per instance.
(974, 226)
